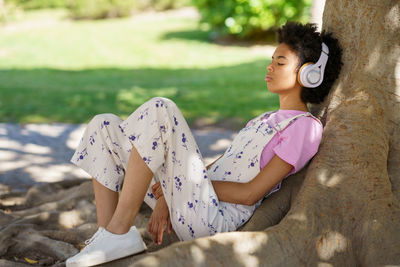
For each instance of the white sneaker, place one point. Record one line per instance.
(104, 246)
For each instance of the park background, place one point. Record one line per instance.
(68, 60)
(64, 61)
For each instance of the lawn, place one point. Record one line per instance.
(53, 69)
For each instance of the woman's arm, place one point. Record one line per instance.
(249, 193)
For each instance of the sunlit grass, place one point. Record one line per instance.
(55, 69)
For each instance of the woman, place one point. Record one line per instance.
(155, 157)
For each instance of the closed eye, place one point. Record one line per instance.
(279, 64)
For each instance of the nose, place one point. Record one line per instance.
(269, 67)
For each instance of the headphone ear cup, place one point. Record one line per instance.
(309, 75)
(302, 74)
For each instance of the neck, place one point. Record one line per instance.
(292, 102)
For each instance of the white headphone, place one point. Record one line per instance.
(311, 75)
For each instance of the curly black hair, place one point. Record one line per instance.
(306, 42)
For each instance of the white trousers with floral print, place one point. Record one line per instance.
(162, 137)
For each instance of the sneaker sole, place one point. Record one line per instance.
(122, 254)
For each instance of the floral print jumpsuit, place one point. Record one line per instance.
(162, 137)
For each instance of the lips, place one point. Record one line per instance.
(268, 78)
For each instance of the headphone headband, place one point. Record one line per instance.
(311, 75)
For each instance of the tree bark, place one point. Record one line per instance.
(346, 212)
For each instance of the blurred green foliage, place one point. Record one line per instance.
(160, 5)
(38, 4)
(9, 11)
(100, 9)
(251, 18)
(93, 9)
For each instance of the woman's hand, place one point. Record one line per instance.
(159, 218)
(157, 190)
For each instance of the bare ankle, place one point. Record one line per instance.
(118, 229)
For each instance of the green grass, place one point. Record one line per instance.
(56, 70)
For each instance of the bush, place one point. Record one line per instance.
(160, 5)
(249, 18)
(37, 4)
(100, 9)
(9, 11)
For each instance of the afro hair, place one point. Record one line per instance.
(306, 42)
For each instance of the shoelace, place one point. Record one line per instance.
(90, 240)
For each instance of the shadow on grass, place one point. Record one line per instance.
(234, 93)
(262, 38)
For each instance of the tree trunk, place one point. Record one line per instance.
(316, 12)
(345, 212)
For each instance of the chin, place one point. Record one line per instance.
(271, 89)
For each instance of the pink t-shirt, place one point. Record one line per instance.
(297, 143)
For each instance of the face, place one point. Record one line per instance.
(282, 71)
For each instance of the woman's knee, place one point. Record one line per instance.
(105, 119)
(160, 102)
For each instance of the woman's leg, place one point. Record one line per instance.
(106, 202)
(160, 134)
(104, 152)
(136, 183)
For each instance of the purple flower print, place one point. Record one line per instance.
(212, 229)
(174, 160)
(239, 155)
(181, 219)
(132, 137)
(228, 173)
(109, 151)
(269, 130)
(260, 126)
(178, 183)
(184, 141)
(116, 188)
(221, 211)
(214, 202)
(117, 145)
(190, 204)
(253, 162)
(82, 154)
(159, 103)
(147, 160)
(191, 231)
(216, 168)
(163, 129)
(120, 128)
(150, 195)
(91, 140)
(173, 130)
(175, 121)
(143, 113)
(104, 123)
(154, 145)
(118, 168)
(205, 174)
(248, 143)
(164, 184)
